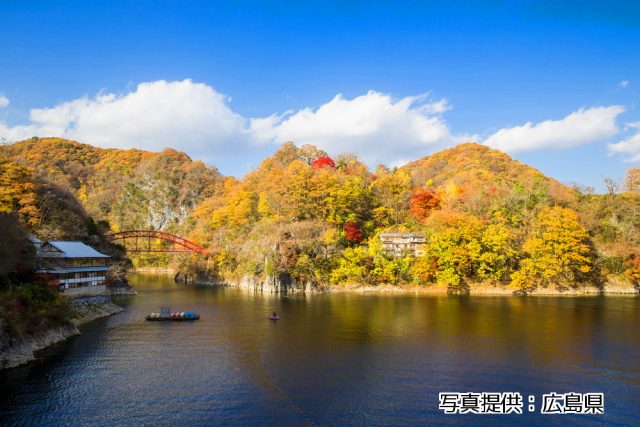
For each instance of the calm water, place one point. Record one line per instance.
(332, 359)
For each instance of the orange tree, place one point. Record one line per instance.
(18, 192)
(422, 203)
(633, 270)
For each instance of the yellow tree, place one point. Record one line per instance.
(453, 250)
(348, 200)
(497, 253)
(18, 192)
(241, 208)
(392, 190)
(301, 205)
(632, 181)
(556, 253)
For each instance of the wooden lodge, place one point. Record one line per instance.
(72, 266)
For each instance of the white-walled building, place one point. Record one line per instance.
(399, 244)
(71, 265)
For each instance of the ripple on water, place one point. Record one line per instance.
(332, 359)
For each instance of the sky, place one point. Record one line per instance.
(555, 84)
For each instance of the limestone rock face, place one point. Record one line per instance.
(93, 307)
(282, 283)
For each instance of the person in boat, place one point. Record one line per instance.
(274, 315)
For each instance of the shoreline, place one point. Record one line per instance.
(92, 308)
(152, 270)
(19, 352)
(483, 291)
(612, 288)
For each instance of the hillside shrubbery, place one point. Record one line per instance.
(28, 309)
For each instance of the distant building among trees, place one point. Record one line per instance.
(400, 244)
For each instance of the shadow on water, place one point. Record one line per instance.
(332, 359)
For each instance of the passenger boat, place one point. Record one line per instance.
(167, 315)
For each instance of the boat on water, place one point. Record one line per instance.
(274, 316)
(166, 314)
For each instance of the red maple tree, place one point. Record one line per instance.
(353, 231)
(321, 162)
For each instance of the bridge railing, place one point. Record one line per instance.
(188, 245)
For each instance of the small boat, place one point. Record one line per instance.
(272, 317)
(166, 315)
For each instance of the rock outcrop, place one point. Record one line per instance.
(18, 351)
(282, 283)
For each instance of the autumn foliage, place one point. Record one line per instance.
(633, 269)
(323, 162)
(353, 231)
(486, 218)
(18, 192)
(127, 188)
(556, 253)
(632, 181)
(422, 203)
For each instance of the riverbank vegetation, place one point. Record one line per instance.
(25, 308)
(28, 309)
(32, 206)
(304, 217)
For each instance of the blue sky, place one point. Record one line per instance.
(228, 81)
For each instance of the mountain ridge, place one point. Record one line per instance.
(472, 162)
(129, 188)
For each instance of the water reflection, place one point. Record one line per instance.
(331, 359)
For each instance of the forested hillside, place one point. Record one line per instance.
(126, 188)
(32, 205)
(306, 217)
(302, 216)
(47, 209)
(479, 174)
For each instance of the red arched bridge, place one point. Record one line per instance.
(142, 242)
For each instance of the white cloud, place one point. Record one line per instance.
(581, 127)
(195, 118)
(629, 146)
(188, 116)
(374, 126)
(623, 84)
(4, 101)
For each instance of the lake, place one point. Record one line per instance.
(332, 359)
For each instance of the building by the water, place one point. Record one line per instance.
(400, 244)
(71, 266)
